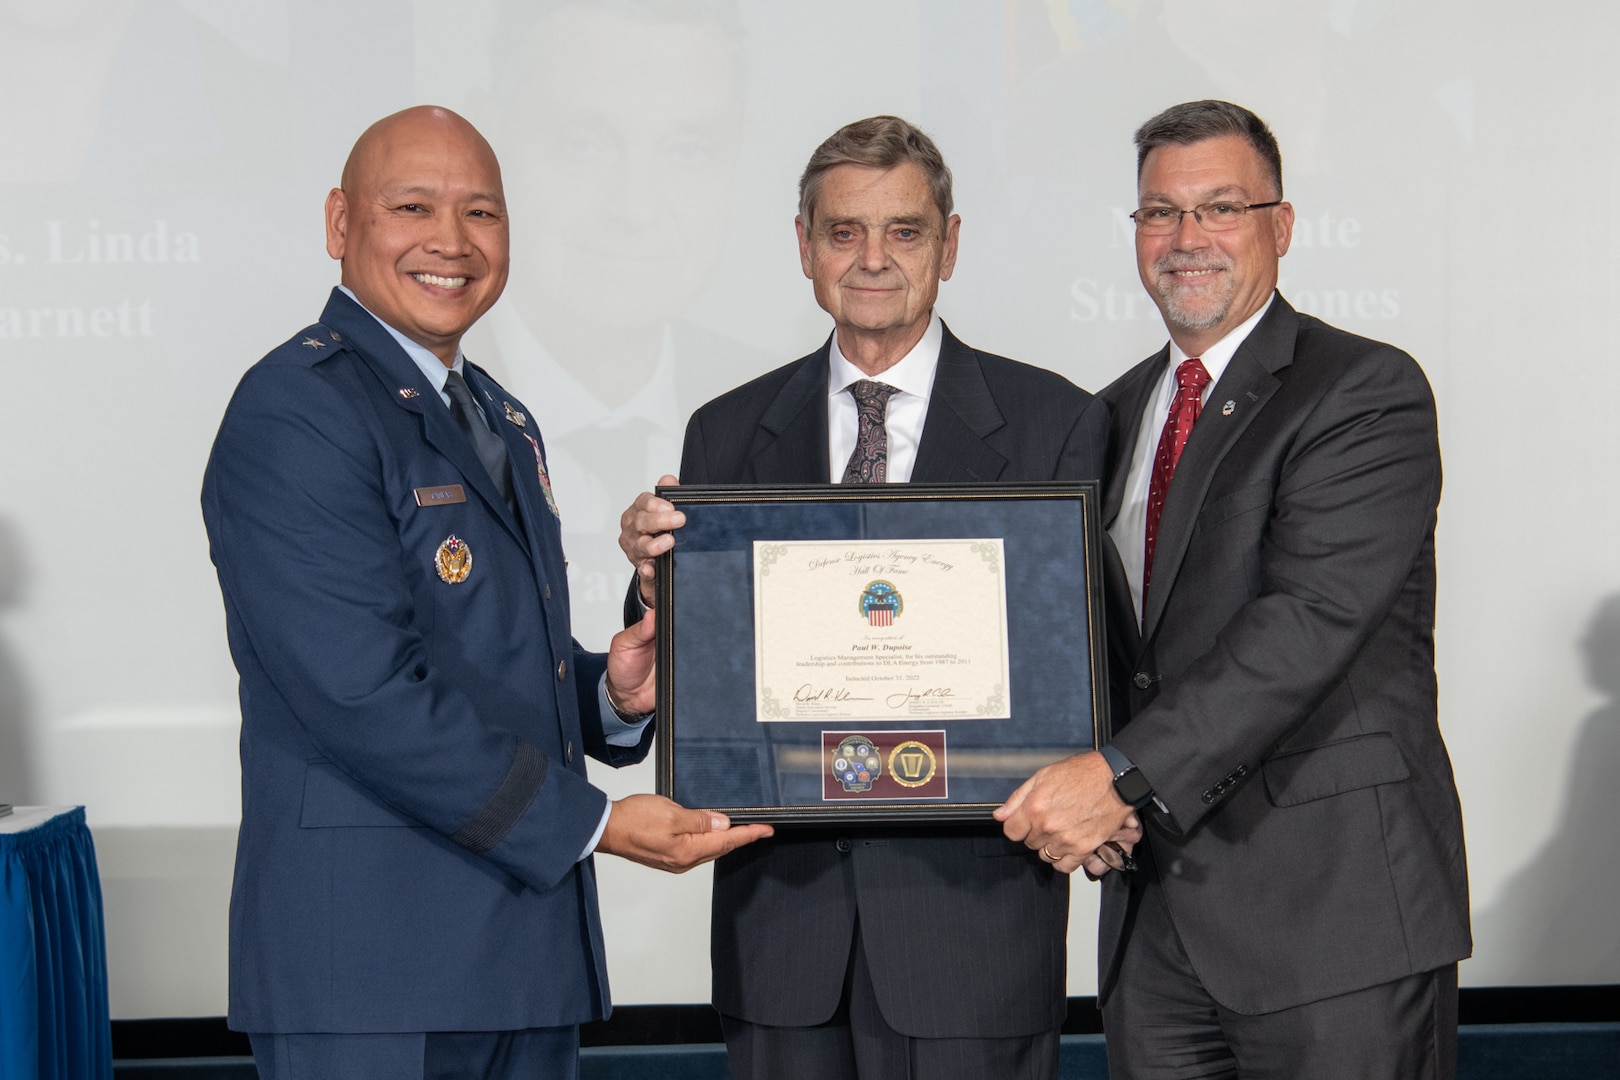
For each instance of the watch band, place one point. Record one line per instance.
(1129, 783)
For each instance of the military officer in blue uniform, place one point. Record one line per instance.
(414, 892)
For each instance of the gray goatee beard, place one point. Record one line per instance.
(1183, 312)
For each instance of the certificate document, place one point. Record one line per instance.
(858, 630)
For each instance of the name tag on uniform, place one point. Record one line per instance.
(440, 496)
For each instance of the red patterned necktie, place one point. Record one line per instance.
(869, 464)
(1191, 378)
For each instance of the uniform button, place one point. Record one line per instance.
(568, 752)
(562, 669)
(548, 592)
(336, 336)
(842, 843)
(1142, 680)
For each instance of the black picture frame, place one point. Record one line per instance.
(715, 753)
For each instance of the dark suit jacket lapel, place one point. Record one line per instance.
(790, 444)
(961, 415)
(398, 373)
(1248, 383)
(1134, 389)
(544, 531)
(1126, 422)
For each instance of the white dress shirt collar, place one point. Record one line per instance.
(913, 374)
(1218, 355)
(913, 380)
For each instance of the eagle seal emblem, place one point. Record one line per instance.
(453, 560)
(880, 603)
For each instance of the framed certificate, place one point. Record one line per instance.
(894, 652)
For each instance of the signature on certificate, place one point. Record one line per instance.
(906, 697)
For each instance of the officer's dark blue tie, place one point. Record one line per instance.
(490, 447)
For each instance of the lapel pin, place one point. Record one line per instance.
(408, 392)
(1229, 408)
(314, 343)
(513, 415)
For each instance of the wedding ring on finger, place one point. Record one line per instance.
(1046, 853)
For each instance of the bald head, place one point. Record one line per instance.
(420, 226)
(419, 122)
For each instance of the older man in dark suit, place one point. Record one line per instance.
(879, 953)
(1301, 900)
(414, 892)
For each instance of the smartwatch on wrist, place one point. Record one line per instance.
(1129, 783)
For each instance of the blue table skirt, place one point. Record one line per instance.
(54, 1022)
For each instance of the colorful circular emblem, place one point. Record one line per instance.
(856, 763)
(880, 603)
(911, 764)
(453, 560)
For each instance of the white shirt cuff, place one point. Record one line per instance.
(617, 733)
(596, 837)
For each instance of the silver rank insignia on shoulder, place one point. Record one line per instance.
(513, 415)
(453, 560)
(1229, 408)
(408, 392)
(313, 343)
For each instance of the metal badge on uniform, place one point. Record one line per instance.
(545, 481)
(408, 392)
(443, 495)
(313, 343)
(453, 560)
(513, 415)
(1229, 408)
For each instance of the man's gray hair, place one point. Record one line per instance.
(1195, 121)
(880, 142)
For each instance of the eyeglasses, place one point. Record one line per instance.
(1116, 857)
(1213, 216)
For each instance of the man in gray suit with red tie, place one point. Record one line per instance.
(885, 953)
(1300, 900)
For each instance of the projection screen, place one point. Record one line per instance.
(162, 169)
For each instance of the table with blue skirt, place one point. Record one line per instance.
(53, 952)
